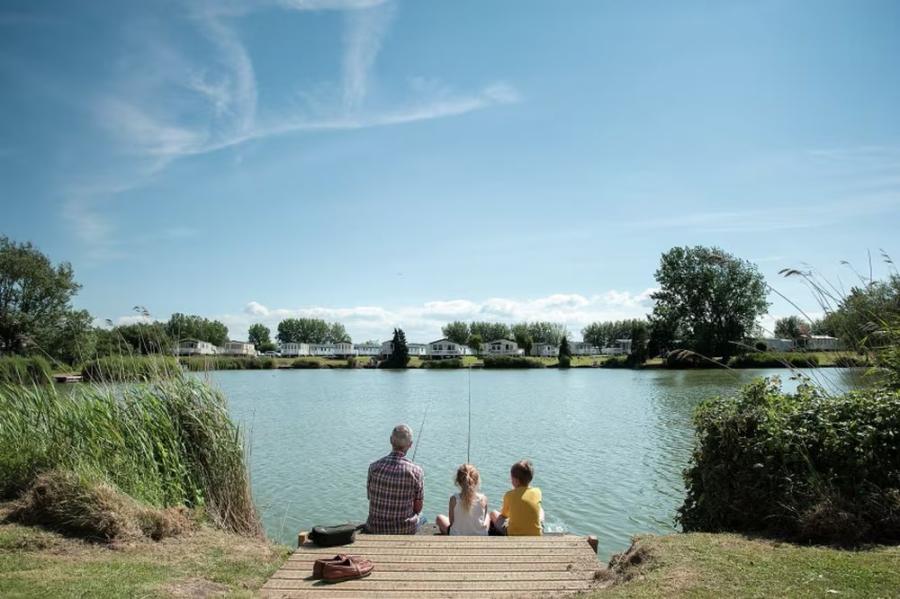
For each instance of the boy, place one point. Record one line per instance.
(522, 514)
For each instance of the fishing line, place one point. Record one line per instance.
(469, 435)
(421, 429)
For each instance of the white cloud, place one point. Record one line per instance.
(423, 322)
(363, 33)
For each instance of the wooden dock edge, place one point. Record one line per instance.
(303, 538)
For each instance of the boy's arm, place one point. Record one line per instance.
(504, 511)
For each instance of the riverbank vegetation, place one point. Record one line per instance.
(25, 370)
(115, 369)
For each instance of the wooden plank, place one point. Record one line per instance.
(468, 539)
(303, 593)
(379, 574)
(450, 545)
(370, 584)
(467, 552)
(452, 559)
(461, 567)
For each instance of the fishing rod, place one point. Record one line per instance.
(421, 429)
(469, 434)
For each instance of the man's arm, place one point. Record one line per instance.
(419, 501)
(369, 485)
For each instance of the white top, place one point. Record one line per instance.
(471, 522)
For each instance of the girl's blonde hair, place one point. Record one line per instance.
(467, 478)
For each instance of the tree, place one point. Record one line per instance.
(303, 330)
(522, 337)
(547, 332)
(75, 340)
(35, 297)
(712, 296)
(337, 334)
(605, 333)
(640, 336)
(865, 313)
(258, 335)
(147, 337)
(475, 342)
(190, 326)
(791, 327)
(399, 357)
(490, 331)
(456, 331)
(565, 354)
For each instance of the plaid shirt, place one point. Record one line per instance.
(394, 484)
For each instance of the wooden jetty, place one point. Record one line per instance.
(442, 566)
(67, 378)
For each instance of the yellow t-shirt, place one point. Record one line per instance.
(522, 507)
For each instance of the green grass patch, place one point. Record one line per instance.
(775, 360)
(130, 368)
(25, 370)
(727, 565)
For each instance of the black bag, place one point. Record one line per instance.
(331, 536)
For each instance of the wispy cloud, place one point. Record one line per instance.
(363, 33)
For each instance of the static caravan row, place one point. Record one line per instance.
(195, 347)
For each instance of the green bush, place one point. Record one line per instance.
(306, 363)
(851, 361)
(616, 362)
(24, 370)
(168, 443)
(438, 364)
(129, 368)
(808, 466)
(512, 362)
(204, 363)
(775, 360)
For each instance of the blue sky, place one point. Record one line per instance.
(406, 163)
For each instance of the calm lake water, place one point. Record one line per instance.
(608, 446)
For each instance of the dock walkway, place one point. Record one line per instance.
(440, 566)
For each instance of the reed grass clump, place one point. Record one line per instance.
(306, 363)
(205, 363)
(130, 368)
(25, 370)
(167, 443)
(448, 363)
(512, 362)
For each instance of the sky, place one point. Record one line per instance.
(405, 163)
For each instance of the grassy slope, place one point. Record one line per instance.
(38, 563)
(726, 565)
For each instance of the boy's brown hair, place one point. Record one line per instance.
(522, 471)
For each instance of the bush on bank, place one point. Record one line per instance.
(438, 364)
(774, 360)
(807, 466)
(512, 362)
(166, 444)
(114, 369)
(204, 363)
(22, 370)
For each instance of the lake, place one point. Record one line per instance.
(608, 445)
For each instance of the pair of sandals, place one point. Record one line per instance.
(342, 567)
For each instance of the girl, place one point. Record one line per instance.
(468, 508)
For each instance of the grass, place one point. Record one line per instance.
(25, 370)
(129, 368)
(39, 563)
(169, 443)
(728, 565)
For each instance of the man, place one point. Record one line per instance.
(396, 489)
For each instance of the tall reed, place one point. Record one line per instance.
(167, 443)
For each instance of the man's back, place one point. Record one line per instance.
(395, 484)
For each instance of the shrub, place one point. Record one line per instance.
(565, 361)
(512, 362)
(807, 465)
(682, 358)
(761, 346)
(615, 362)
(774, 360)
(129, 368)
(24, 370)
(851, 361)
(166, 444)
(306, 363)
(204, 363)
(448, 363)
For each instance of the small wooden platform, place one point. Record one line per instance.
(440, 566)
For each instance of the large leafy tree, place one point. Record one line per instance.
(489, 331)
(35, 299)
(522, 336)
(791, 327)
(710, 295)
(303, 330)
(259, 335)
(866, 312)
(456, 331)
(475, 342)
(399, 357)
(337, 334)
(146, 337)
(565, 353)
(605, 333)
(640, 338)
(547, 332)
(190, 326)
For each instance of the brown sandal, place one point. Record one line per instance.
(352, 568)
(319, 565)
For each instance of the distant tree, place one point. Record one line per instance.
(190, 326)
(546, 332)
(456, 331)
(490, 331)
(867, 311)
(75, 339)
(110, 342)
(475, 342)
(337, 334)
(827, 325)
(147, 337)
(604, 333)
(399, 357)
(640, 336)
(259, 335)
(565, 353)
(303, 330)
(711, 295)
(791, 327)
(35, 297)
(522, 336)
